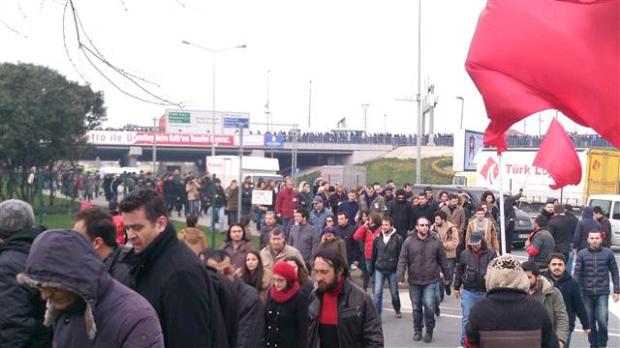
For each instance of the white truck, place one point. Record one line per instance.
(601, 174)
(227, 169)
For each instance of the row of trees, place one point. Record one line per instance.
(43, 120)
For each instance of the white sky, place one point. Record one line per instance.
(354, 52)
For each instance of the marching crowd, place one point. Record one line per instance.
(127, 278)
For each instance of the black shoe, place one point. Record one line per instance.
(417, 336)
(437, 312)
(448, 290)
(428, 337)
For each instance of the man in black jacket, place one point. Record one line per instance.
(400, 212)
(21, 308)
(383, 263)
(599, 215)
(561, 227)
(170, 276)
(470, 272)
(425, 208)
(570, 292)
(345, 230)
(341, 314)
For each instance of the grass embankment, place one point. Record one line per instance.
(401, 171)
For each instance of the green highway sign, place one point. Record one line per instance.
(179, 117)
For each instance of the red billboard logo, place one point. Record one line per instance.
(490, 170)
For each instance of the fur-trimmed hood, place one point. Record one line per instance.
(65, 259)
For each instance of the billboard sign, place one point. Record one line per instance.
(473, 144)
(202, 121)
(273, 140)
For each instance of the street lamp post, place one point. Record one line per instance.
(462, 106)
(365, 107)
(418, 160)
(154, 155)
(213, 53)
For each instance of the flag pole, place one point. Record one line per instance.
(502, 217)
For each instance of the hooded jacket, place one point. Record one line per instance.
(21, 317)
(584, 226)
(572, 299)
(112, 315)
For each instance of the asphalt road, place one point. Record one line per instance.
(399, 332)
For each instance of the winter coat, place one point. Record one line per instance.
(237, 255)
(358, 323)
(507, 318)
(402, 215)
(592, 269)
(352, 209)
(449, 236)
(427, 211)
(286, 201)
(304, 201)
(21, 314)
(373, 204)
(541, 246)
(471, 269)
(365, 235)
(304, 239)
(584, 226)
(490, 235)
(561, 228)
(286, 323)
(606, 229)
(554, 304)
(232, 199)
(246, 197)
(220, 197)
(170, 276)
(423, 258)
(456, 216)
(118, 267)
(112, 314)
(572, 299)
(385, 256)
(337, 244)
(269, 260)
(192, 190)
(251, 327)
(353, 249)
(317, 219)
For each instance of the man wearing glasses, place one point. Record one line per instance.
(423, 257)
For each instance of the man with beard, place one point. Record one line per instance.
(270, 225)
(424, 209)
(401, 213)
(570, 293)
(599, 216)
(335, 299)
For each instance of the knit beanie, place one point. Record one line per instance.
(286, 271)
(329, 229)
(505, 272)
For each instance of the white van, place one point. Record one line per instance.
(610, 204)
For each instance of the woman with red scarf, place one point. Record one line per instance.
(286, 312)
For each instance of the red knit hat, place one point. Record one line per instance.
(286, 271)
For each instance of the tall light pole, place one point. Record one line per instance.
(309, 103)
(154, 154)
(365, 107)
(267, 104)
(418, 160)
(384, 123)
(462, 106)
(213, 53)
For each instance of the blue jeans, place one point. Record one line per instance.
(286, 224)
(597, 308)
(570, 258)
(380, 278)
(440, 285)
(423, 303)
(468, 299)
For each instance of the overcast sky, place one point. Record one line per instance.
(355, 52)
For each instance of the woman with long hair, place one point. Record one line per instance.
(304, 197)
(286, 311)
(253, 274)
(302, 276)
(237, 244)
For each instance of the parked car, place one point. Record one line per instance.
(523, 222)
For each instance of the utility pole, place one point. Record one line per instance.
(418, 160)
(462, 106)
(154, 157)
(239, 196)
(384, 123)
(309, 103)
(267, 104)
(365, 107)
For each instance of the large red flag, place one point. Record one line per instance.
(529, 56)
(558, 157)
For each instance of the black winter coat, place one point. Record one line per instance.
(427, 211)
(423, 258)
(592, 269)
(572, 299)
(353, 249)
(169, 275)
(358, 323)
(506, 317)
(584, 226)
(385, 256)
(251, 326)
(561, 228)
(402, 215)
(286, 323)
(471, 270)
(21, 307)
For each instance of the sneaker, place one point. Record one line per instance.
(398, 314)
(417, 336)
(428, 337)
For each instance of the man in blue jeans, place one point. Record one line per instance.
(592, 269)
(469, 283)
(423, 257)
(383, 262)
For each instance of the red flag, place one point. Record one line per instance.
(558, 157)
(529, 56)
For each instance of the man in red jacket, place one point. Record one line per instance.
(286, 201)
